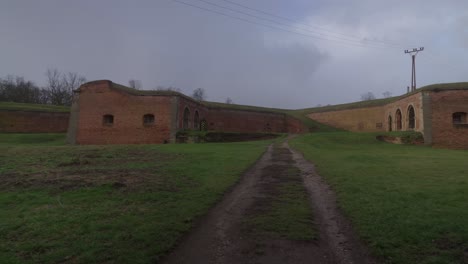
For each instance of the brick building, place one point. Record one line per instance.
(104, 112)
(438, 111)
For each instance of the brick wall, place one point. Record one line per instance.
(97, 99)
(369, 119)
(13, 121)
(403, 105)
(232, 120)
(193, 108)
(444, 132)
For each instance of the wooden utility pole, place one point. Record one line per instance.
(413, 54)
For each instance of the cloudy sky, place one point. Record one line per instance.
(275, 53)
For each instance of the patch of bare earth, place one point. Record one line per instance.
(92, 169)
(223, 237)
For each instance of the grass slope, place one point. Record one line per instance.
(33, 107)
(113, 204)
(408, 202)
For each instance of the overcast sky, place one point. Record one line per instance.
(309, 53)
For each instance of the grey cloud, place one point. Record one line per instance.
(165, 43)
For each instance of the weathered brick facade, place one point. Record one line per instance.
(14, 121)
(439, 112)
(446, 132)
(108, 113)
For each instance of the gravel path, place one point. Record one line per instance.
(220, 237)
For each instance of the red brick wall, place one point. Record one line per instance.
(230, 120)
(295, 126)
(444, 132)
(33, 122)
(97, 99)
(193, 107)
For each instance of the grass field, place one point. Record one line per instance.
(410, 203)
(33, 107)
(113, 204)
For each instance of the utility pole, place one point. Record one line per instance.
(413, 54)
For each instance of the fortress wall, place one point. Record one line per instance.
(232, 120)
(403, 105)
(368, 119)
(97, 99)
(14, 121)
(446, 133)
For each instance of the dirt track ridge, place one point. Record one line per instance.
(221, 237)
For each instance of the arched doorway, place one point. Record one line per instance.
(398, 119)
(411, 118)
(186, 124)
(196, 121)
(390, 123)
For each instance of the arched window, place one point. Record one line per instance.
(186, 119)
(390, 123)
(148, 119)
(196, 121)
(459, 118)
(108, 120)
(398, 119)
(411, 118)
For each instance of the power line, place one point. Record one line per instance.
(323, 35)
(309, 25)
(270, 26)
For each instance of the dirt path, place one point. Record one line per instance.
(222, 236)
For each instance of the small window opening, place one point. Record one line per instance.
(398, 119)
(411, 119)
(196, 121)
(186, 119)
(148, 119)
(459, 118)
(389, 123)
(108, 120)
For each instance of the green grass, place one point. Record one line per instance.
(50, 139)
(115, 204)
(408, 202)
(33, 107)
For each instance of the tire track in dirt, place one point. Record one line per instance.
(222, 236)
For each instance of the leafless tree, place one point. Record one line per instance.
(135, 84)
(229, 100)
(199, 94)
(367, 96)
(61, 86)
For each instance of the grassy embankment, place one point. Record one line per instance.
(408, 202)
(117, 204)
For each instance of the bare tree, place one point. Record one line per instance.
(135, 84)
(229, 100)
(199, 94)
(71, 81)
(61, 86)
(387, 94)
(367, 96)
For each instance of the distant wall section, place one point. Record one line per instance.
(14, 121)
(234, 120)
(369, 119)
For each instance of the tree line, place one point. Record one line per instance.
(58, 89)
